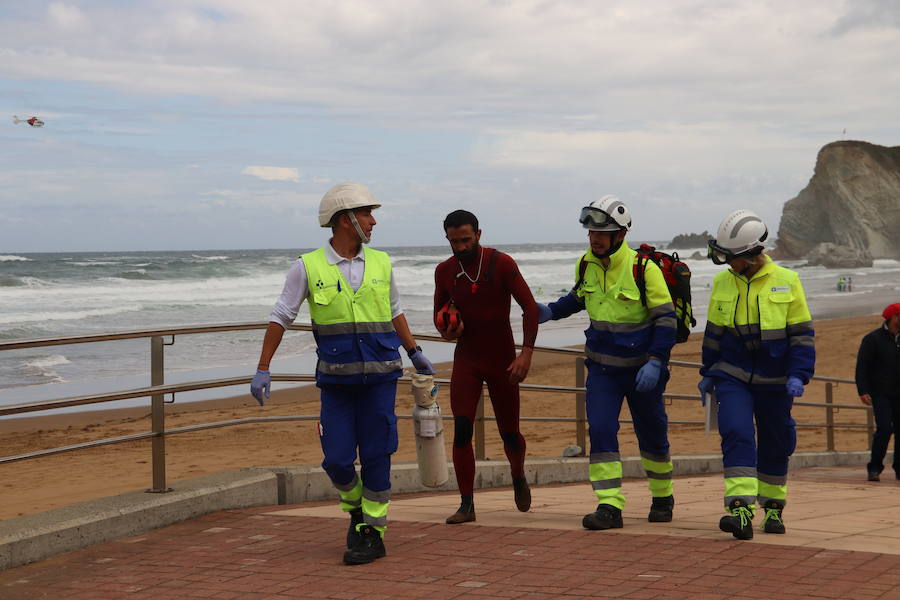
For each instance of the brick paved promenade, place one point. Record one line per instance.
(295, 552)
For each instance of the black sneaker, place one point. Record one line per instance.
(605, 517)
(772, 521)
(740, 522)
(873, 476)
(369, 547)
(523, 494)
(356, 518)
(661, 509)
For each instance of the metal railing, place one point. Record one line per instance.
(158, 389)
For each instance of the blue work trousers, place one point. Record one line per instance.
(606, 388)
(358, 416)
(765, 447)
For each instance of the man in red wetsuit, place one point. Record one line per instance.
(479, 282)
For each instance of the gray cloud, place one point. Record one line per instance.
(868, 14)
(685, 108)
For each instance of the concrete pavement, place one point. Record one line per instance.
(843, 541)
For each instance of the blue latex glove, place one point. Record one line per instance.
(262, 383)
(544, 313)
(706, 386)
(648, 375)
(421, 363)
(794, 387)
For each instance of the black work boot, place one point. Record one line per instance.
(873, 475)
(740, 522)
(465, 513)
(605, 517)
(772, 521)
(369, 547)
(356, 518)
(523, 493)
(661, 509)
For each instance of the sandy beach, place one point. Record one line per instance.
(41, 484)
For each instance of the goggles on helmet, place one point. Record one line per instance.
(596, 219)
(721, 256)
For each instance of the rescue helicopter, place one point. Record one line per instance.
(33, 121)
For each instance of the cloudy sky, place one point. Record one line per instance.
(205, 124)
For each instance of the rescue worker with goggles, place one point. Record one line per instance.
(358, 326)
(758, 354)
(627, 346)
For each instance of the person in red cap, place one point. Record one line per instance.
(878, 385)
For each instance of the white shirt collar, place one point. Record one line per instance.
(334, 258)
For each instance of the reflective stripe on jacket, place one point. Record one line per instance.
(624, 332)
(759, 331)
(356, 339)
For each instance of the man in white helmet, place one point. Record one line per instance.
(758, 353)
(627, 347)
(358, 325)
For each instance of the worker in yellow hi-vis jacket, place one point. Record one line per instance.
(627, 348)
(758, 353)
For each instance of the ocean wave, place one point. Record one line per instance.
(12, 257)
(93, 263)
(419, 261)
(72, 315)
(546, 256)
(22, 281)
(140, 274)
(17, 333)
(45, 362)
(43, 366)
(199, 257)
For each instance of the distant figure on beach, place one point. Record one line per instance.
(627, 346)
(479, 282)
(841, 284)
(358, 326)
(849, 286)
(878, 385)
(758, 354)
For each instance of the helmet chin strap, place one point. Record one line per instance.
(613, 246)
(359, 231)
(749, 263)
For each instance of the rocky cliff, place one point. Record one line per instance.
(690, 240)
(851, 202)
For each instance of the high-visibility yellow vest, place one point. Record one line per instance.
(623, 330)
(754, 324)
(354, 332)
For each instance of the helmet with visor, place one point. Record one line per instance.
(606, 214)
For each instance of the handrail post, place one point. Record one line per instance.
(829, 416)
(158, 418)
(479, 428)
(580, 408)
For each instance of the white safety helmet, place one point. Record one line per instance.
(606, 214)
(344, 196)
(740, 233)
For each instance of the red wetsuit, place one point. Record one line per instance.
(484, 351)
